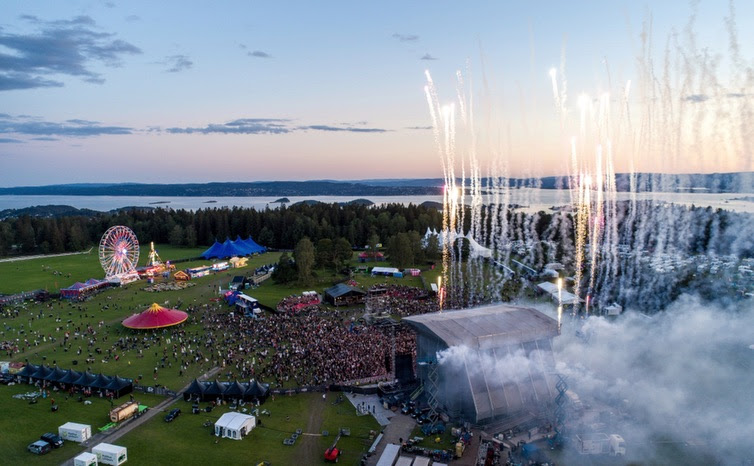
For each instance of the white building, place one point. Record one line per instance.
(234, 425)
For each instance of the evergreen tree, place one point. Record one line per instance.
(305, 256)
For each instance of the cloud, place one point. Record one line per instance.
(696, 98)
(342, 128)
(76, 128)
(45, 138)
(427, 56)
(10, 141)
(62, 47)
(177, 63)
(406, 37)
(267, 126)
(419, 127)
(240, 126)
(259, 54)
(133, 18)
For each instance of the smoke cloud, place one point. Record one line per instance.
(682, 377)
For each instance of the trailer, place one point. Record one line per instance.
(389, 455)
(85, 459)
(113, 455)
(75, 432)
(124, 411)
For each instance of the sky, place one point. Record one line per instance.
(170, 92)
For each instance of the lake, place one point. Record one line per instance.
(531, 199)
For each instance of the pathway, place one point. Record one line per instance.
(43, 256)
(112, 435)
(309, 447)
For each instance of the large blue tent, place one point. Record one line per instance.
(229, 248)
(212, 251)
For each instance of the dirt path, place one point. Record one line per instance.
(309, 447)
(42, 256)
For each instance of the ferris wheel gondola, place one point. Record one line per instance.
(119, 251)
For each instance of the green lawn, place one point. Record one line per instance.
(32, 274)
(22, 423)
(191, 443)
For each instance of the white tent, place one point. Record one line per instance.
(234, 425)
(385, 271)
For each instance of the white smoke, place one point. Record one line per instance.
(686, 373)
(683, 375)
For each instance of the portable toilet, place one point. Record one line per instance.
(85, 459)
(113, 455)
(75, 432)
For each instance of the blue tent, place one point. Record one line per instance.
(253, 246)
(242, 246)
(212, 251)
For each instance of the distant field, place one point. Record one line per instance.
(33, 274)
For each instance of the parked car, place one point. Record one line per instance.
(53, 439)
(174, 413)
(40, 447)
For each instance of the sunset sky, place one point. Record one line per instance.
(168, 92)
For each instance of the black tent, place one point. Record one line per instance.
(234, 390)
(120, 386)
(42, 372)
(85, 380)
(70, 377)
(214, 390)
(56, 375)
(28, 371)
(256, 390)
(195, 389)
(101, 382)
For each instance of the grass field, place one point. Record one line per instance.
(53, 273)
(22, 423)
(43, 325)
(265, 443)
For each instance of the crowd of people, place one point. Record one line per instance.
(399, 300)
(312, 346)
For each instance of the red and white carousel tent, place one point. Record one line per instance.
(155, 317)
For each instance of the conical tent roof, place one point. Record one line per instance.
(253, 246)
(85, 380)
(42, 372)
(214, 388)
(155, 317)
(256, 389)
(29, 370)
(118, 383)
(102, 381)
(212, 251)
(241, 246)
(56, 375)
(71, 376)
(234, 390)
(196, 388)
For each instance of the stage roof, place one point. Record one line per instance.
(487, 326)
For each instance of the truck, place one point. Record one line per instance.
(124, 411)
(600, 444)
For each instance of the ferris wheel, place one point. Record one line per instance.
(118, 251)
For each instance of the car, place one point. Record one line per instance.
(174, 413)
(53, 439)
(40, 447)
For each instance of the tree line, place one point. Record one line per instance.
(279, 228)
